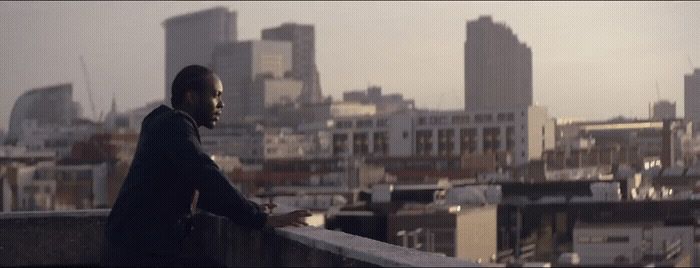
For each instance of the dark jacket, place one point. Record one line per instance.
(168, 166)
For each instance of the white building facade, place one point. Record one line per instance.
(525, 133)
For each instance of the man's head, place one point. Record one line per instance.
(197, 90)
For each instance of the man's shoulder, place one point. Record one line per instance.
(166, 117)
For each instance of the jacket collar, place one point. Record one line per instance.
(184, 114)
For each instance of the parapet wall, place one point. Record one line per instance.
(76, 238)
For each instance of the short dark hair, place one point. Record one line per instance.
(192, 77)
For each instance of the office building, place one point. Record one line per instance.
(241, 65)
(42, 107)
(692, 98)
(191, 39)
(271, 92)
(303, 56)
(497, 67)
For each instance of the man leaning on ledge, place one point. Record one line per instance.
(169, 172)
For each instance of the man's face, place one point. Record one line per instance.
(210, 103)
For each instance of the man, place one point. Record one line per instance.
(149, 219)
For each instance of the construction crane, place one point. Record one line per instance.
(88, 88)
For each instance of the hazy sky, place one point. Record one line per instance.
(590, 60)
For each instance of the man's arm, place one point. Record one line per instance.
(217, 195)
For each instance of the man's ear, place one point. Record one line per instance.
(190, 97)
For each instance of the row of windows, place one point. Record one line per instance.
(446, 141)
(432, 120)
(464, 119)
(603, 239)
(361, 143)
(364, 123)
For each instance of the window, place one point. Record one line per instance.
(618, 239)
(424, 142)
(368, 123)
(360, 144)
(343, 124)
(438, 120)
(467, 137)
(382, 122)
(505, 117)
(491, 139)
(510, 141)
(422, 121)
(483, 118)
(380, 143)
(340, 145)
(446, 141)
(460, 119)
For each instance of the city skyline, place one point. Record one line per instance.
(610, 62)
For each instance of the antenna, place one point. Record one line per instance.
(88, 87)
(658, 96)
(691, 63)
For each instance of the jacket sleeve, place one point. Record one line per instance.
(216, 193)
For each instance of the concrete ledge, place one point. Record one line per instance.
(368, 250)
(52, 238)
(76, 238)
(55, 214)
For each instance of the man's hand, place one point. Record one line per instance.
(294, 218)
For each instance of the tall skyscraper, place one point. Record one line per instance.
(241, 65)
(692, 98)
(303, 56)
(497, 67)
(191, 39)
